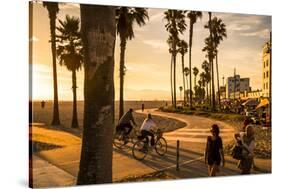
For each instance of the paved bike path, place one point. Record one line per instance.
(68, 159)
(192, 143)
(193, 138)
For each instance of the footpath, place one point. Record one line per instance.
(60, 166)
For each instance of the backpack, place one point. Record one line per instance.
(237, 152)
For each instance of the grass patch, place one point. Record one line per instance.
(209, 114)
(53, 137)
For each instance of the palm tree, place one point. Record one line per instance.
(199, 91)
(98, 35)
(175, 25)
(125, 19)
(186, 72)
(210, 49)
(193, 16)
(195, 73)
(219, 32)
(203, 80)
(182, 49)
(180, 88)
(171, 51)
(206, 68)
(70, 55)
(53, 9)
(211, 52)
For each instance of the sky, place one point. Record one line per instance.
(147, 58)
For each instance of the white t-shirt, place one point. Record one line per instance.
(148, 125)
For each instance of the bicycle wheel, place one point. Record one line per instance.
(139, 150)
(161, 146)
(118, 141)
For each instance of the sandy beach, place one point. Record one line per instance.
(44, 115)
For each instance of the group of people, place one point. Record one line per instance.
(147, 129)
(214, 155)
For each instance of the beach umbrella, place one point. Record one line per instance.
(263, 103)
(250, 102)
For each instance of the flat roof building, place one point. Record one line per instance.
(236, 85)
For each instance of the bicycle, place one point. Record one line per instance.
(141, 147)
(120, 140)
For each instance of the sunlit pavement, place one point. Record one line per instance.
(192, 139)
(47, 175)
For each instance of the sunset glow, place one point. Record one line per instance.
(147, 57)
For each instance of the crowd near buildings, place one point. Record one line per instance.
(238, 95)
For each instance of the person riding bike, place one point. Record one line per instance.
(148, 128)
(125, 122)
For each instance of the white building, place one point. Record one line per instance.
(266, 70)
(238, 85)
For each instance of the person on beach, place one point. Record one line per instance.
(142, 107)
(148, 128)
(247, 140)
(214, 151)
(43, 104)
(125, 122)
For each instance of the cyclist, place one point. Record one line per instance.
(125, 122)
(148, 128)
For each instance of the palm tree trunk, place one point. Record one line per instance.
(212, 66)
(194, 82)
(210, 92)
(122, 74)
(207, 92)
(30, 110)
(74, 113)
(212, 87)
(190, 48)
(218, 81)
(183, 80)
(56, 119)
(175, 91)
(98, 35)
(186, 87)
(171, 78)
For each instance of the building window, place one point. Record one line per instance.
(267, 63)
(264, 75)
(267, 74)
(266, 85)
(264, 64)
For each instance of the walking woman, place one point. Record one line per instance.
(214, 151)
(247, 140)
